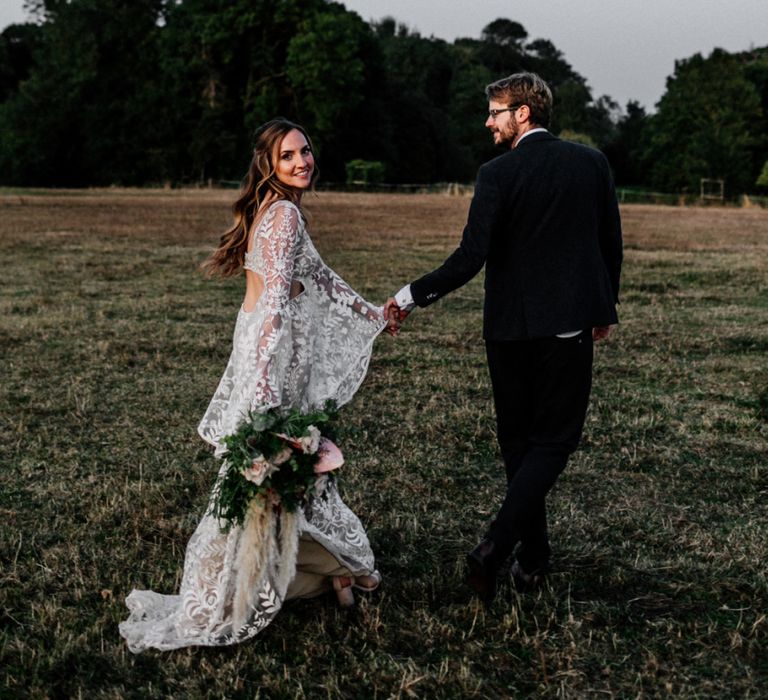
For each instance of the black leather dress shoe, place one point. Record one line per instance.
(483, 568)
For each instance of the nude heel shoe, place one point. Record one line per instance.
(368, 583)
(344, 594)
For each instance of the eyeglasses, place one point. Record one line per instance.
(493, 113)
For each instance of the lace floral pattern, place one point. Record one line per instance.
(296, 352)
(289, 352)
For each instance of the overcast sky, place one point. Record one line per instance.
(624, 48)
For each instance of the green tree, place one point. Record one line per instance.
(86, 114)
(223, 67)
(502, 46)
(755, 64)
(107, 91)
(415, 126)
(705, 126)
(233, 64)
(18, 43)
(545, 59)
(468, 110)
(625, 150)
(326, 71)
(570, 104)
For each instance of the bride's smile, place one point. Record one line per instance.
(296, 162)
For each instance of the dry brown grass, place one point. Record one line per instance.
(112, 344)
(724, 229)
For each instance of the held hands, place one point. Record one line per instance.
(394, 315)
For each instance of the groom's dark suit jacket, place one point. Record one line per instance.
(545, 222)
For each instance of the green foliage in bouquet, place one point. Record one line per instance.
(271, 456)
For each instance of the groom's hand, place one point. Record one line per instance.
(601, 332)
(394, 315)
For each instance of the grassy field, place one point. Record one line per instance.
(112, 345)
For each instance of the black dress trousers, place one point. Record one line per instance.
(541, 390)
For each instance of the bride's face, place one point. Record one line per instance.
(295, 162)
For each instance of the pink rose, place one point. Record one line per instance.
(259, 470)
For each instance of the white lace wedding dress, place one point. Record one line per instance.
(287, 352)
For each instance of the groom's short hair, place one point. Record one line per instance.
(524, 89)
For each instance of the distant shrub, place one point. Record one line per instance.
(366, 172)
(576, 137)
(762, 180)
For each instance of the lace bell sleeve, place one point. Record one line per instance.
(340, 293)
(276, 243)
(341, 328)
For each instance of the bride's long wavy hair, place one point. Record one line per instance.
(260, 188)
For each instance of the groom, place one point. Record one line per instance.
(545, 223)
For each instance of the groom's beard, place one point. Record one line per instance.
(505, 135)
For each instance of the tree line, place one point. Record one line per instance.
(99, 92)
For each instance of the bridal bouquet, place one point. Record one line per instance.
(277, 458)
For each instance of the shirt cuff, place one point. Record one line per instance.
(404, 298)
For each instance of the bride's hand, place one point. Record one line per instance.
(394, 316)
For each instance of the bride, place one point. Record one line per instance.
(302, 337)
